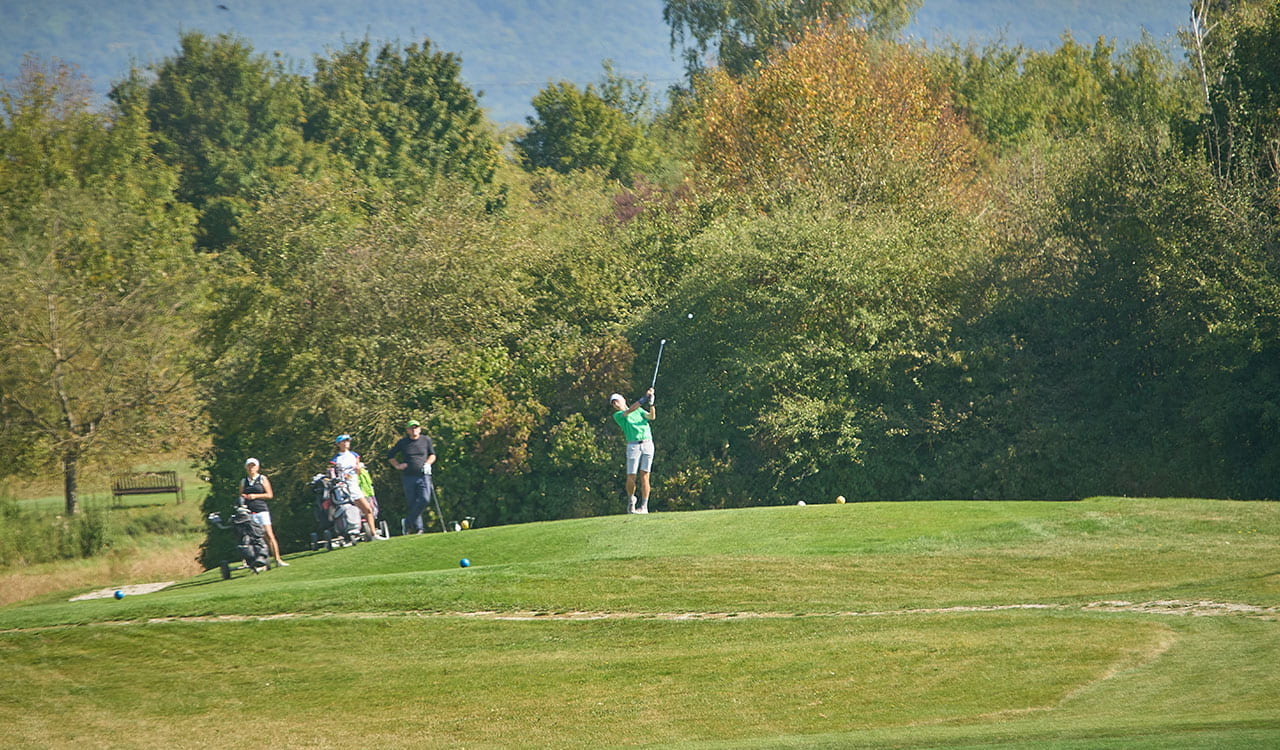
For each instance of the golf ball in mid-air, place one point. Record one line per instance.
(840, 499)
(689, 316)
(464, 562)
(119, 594)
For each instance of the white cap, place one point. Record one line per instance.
(251, 461)
(617, 397)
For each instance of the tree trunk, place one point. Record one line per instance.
(70, 464)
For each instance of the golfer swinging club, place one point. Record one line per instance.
(634, 422)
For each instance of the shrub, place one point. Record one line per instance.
(28, 537)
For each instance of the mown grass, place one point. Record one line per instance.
(825, 626)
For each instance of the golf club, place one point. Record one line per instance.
(658, 364)
(435, 498)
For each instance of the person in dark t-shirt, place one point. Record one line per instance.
(413, 456)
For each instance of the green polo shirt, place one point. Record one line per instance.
(635, 426)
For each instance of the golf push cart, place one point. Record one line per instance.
(251, 540)
(339, 522)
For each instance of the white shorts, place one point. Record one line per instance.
(353, 489)
(639, 456)
(263, 517)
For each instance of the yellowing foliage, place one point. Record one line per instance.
(836, 111)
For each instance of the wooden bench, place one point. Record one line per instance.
(146, 483)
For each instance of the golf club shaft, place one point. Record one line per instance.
(658, 364)
(435, 498)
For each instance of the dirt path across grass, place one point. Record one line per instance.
(1162, 607)
(1195, 609)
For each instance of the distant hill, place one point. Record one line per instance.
(510, 48)
(1041, 23)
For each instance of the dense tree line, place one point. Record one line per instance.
(882, 271)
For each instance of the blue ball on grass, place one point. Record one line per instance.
(464, 562)
(119, 594)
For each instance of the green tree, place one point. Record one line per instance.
(799, 373)
(1013, 95)
(576, 129)
(100, 279)
(229, 120)
(1244, 121)
(344, 314)
(1129, 340)
(403, 117)
(741, 33)
(632, 98)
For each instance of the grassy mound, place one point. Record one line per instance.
(1126, 623)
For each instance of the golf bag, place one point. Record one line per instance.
(251, 540)
(339, 521)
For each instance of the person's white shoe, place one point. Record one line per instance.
(281, 564)
(644, 511)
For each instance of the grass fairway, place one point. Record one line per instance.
(1102, 623)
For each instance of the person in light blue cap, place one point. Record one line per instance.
(348, 464)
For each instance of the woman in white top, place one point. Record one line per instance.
(348, 464)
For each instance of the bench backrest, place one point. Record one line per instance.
(147, 480)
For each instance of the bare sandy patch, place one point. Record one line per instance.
(127, 590)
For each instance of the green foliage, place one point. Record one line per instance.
(798, 365)
(347, 322)
(403, 117)
(740, 34)
(882, 306)
(1015, 95)
(1125, 345)
(32, 537)
(228, 120)
(577, 129)
(101, 279)
(503, 338)
(1242, 129)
